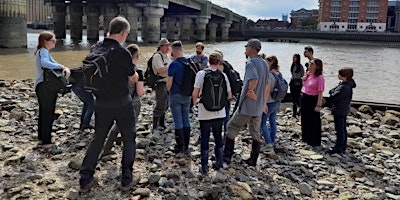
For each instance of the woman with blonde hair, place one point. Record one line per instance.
(47, 97)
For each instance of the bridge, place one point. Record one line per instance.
(186, 20)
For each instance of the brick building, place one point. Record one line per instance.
(353, 15)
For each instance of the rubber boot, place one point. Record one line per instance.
(219, 161)
(161, 121)
(204, 162)
(228, 149)
(179, 146)
(255, 151)
(294, 111)
(155, 122)
(186, 138)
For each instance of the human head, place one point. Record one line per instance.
(308, 52)
(296, 59)
(46, 40)
(164, 45)
(119, 29)
(346, 72)
(263, 56)
(215, 58)
(318, 66)
(272, 62)
(134, 49)
(253, 46)
(199, 48)
(177, 49)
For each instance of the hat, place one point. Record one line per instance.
(217, 56)
(254, 43)
(163, 41)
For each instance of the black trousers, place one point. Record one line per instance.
(104, 119)
(310, 121)
(47, 104)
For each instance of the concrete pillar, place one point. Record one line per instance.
(170, 23)
(132, 14)
(213, 31)
(76, 13)
(225, 30)
(109, 12)
(59, 12)
(397, 22)
(92, 22)
(186, 31)
(13, 24)
(153, 28)
(201, 28)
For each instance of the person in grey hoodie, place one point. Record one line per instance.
(340, 98)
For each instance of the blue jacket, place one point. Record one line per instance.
(340, 97)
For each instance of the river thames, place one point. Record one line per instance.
(376, 66)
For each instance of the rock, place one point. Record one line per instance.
(154, 178)
(305, 189)
(145, 192)
(354, 131)
(366, 109)
(75, 164)
(390, 119)
(17, 114)
(239, 191)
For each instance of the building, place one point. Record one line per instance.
(353, 15)
(304, 19)
(393, 16)
(271, 24)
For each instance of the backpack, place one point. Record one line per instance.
(233, 77)
(151, 78)
(214, 94)
(191, 69)
(281, 87)
(95, 66)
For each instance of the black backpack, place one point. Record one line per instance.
(191, 69)
(151, 78)
(95, 66)
(214, 94)
(234, 78)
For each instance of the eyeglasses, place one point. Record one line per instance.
(53, 40)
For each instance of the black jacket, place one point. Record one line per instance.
(340, 97)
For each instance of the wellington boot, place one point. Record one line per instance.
(228, 149)
(255, 151)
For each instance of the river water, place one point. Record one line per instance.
(376, 67)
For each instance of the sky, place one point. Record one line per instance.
(265, 9)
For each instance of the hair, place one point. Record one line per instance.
(274, 61)
(220, 51)
(297, 64)
(346, 72)
(43, 37)
(118, 24)
(200, 44)
(263, 56)
(309, 49)
(214, 61)
(176, 46)
(133, 48)
(319, 65)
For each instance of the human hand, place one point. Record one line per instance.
(67, 72)
(251, 95)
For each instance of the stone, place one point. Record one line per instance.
(305, 189)
(144, 192)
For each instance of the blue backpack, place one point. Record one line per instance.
(279, 92)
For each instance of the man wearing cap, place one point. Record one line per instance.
(251, 103)
(210, 119)
(200, 58)
(160, 63)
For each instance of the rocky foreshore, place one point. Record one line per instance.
(369, 169)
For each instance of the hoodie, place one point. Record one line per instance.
(340, 97)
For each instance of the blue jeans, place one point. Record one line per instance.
(341, 133)
(180, 106)
(269, 133)
(88, 102)
(205, 128)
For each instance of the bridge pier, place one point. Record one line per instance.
(92, 22)
(186, 31)
(171, 27)
(153, 29)
(13, 24)
(132, 14)
(201, 23)
(59, 13)
(225, 30)
(109, 12)
(76, 13)
(213, 31)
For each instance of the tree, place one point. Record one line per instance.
(309, 23)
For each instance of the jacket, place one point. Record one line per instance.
(340, 97)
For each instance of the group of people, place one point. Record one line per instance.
(117, 104)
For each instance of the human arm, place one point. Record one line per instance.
(134, 78)
(48, 62)
(159, 65)
(267, 95)
(318, 107)
(195, 96)
(250, 90)
(169, 83)
(140, 83)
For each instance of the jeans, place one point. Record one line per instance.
(205, 128)
(88, 102)
(180, 106)
(341, 133)
(269, 133)
(47, 104)
(161, 100)
(104, 119)
(228, 112)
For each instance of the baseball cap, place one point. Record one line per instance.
(254, 43)
(217, 56)
(163, 41)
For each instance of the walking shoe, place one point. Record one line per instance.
(128, 187)
(86, 188)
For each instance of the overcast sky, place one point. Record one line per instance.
(265, 9)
